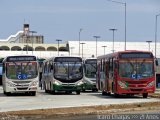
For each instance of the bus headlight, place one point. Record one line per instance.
(80, 83)
(57, 83)
(10, 84)
(122, 85)
(150, 84)
(34, 83)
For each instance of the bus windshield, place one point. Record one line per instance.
(68, 70)
(136, 69)
(90, 70)
(21, 70)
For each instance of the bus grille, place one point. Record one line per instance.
(25, 88)
(21, 82)
(136, 89)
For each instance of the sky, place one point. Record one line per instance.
(63, 19)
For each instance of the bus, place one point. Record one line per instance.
(89, 76)
(20, 74)
(1, 59)
(127, 72)
(63, 74)
(0, 73)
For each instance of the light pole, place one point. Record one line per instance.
(80, 38)
(82, 48)
(125, 19)
(148, 44)
(58, 40)
(113, 29)
(156, 34)
(104, 48)
(96, 43)
(32, 39)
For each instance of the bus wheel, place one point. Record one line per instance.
(83, 90)
(8, 93)
(145, 95)
(78, 92)
(52, 91)
(33, 93)
(4, 92)
(95, 90)
(116, 95)
(104, 92)
(68, 92)
(108, 93)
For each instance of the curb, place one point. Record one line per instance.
(87, 110)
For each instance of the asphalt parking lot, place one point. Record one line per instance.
(44, 100)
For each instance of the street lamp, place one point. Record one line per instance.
(125, 19)
(96, 43)
(156, 34)
(104, 48)
(113, 37)
(58, 40)
(32, 39)
(80, 38)
(148, 44)
(82, 48)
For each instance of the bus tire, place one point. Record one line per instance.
(52, 91)
(8, 93)
(83, 90)
(145, 95)
(95, 90)
(104, 92)
(4, 92)
(33, 93)
(78, 92)
(116, 95)
(108, 93)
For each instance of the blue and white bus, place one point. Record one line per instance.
(89, 76)
(20, 74)
(63, 74)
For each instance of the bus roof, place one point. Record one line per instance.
(116, 54)
(65, 58)
(20, 58)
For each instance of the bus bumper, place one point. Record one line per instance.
(67, 87)
(21, 89)
(86, 86)
(136, 90)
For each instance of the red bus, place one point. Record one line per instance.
(126, 72)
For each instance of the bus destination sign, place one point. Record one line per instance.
(136, 55)
(91, 61)
(21, 58)
(68, 59)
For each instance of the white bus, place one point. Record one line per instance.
(89, 76)
(20, 74)
(63, 74)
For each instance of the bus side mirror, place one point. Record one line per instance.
(156, 61)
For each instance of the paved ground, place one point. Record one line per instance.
(60, 100)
